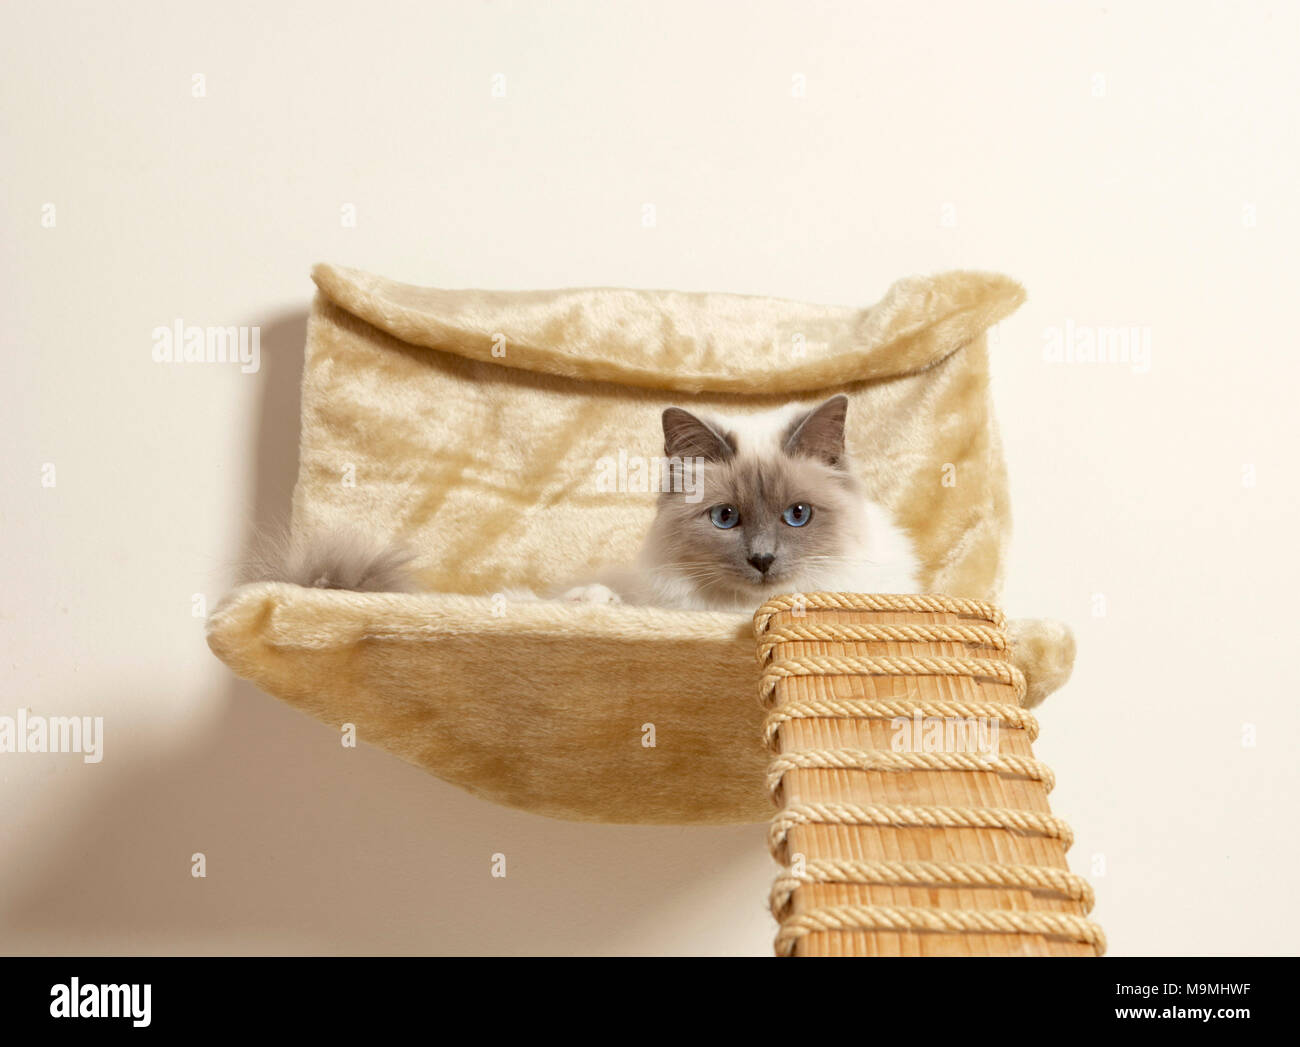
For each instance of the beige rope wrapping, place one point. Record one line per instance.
(905, 815)
(928, 873)
(930, 604)
(1010, 716)
(815, 632)
(862, 665)
(902, 762)
(904, 918)
(985, 629)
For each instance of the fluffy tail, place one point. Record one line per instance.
(334, 558)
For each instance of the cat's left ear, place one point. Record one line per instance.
(820, 433)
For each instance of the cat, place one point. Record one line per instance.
(782, 511)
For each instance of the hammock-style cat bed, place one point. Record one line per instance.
(505, 436)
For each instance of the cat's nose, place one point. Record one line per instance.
(762, 563)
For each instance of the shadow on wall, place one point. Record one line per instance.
(314, 848)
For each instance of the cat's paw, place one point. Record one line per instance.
(591, 594)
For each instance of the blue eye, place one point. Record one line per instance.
(798, 514)
(724, 516)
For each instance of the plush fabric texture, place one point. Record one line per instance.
(480, 427)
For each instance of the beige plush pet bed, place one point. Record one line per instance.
(487, 428)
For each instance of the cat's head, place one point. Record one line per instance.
(774, 506)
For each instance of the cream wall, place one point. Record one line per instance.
(1133, 164)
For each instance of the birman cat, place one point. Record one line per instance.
(782, 511)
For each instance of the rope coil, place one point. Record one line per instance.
(1026, 823)
(904, 918)
(901, 762)
(817, 632)
(889, 603)
(1008, 716)
(861, 665)
(1040, 878)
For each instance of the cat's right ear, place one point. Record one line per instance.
(820, 432)
(686, 436)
